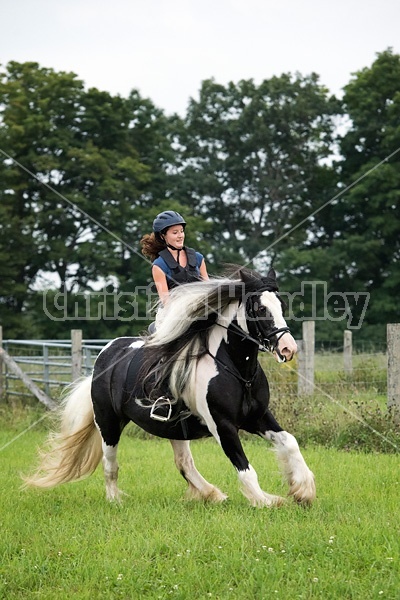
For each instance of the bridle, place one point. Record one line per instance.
(267, 345)
(267, 341)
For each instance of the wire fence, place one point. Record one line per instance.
(331, 368)
(368, 373)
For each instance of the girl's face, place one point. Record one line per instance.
(175, 236)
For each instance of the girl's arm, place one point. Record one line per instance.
(203, 270)
(160, 280)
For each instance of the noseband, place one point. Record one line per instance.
(265, 340)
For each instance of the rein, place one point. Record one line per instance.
(264, 343)
(261, 337)
(274, 332)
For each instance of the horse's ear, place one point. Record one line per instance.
(248, 276)
(270, 280)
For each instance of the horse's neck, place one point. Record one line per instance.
(242, 352)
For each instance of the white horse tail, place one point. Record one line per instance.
(75, 450)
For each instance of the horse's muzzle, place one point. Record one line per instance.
(286, 348)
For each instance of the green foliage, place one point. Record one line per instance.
(346, 412)
(360, 422)
(249, 156)
(259, 171)
(85, 162)
(353, 243)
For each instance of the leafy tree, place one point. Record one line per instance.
(354, 243)
(372, 226)
(83, 173)
(76, 178)
(250, 160)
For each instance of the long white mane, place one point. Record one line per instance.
(214, 300)
(204, 304)
(191, 320)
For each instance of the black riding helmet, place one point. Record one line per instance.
(167, 219)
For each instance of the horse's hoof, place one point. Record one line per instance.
(304, 494)
(267, 501)
(115, 496)
(216, 496)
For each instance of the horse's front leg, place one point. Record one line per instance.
(299, 477)
(199, 488)
(231, 444)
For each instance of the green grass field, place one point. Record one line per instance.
(70, 543)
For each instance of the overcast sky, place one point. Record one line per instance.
(166, 48)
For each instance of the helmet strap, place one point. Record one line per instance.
(178, 250)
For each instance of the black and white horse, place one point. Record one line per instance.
(196, 376)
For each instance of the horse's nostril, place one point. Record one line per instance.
(287, 353)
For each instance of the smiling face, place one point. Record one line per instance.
(175, 236)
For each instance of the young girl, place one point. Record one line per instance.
(173, 262)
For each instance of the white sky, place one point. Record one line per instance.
(166, 48)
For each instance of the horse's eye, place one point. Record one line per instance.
(262, 309)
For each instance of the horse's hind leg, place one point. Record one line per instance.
(110, 427)
(299, 477)
(110, 468)
(199, 488)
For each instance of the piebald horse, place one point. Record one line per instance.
(197, 375)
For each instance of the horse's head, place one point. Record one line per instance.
(265, 315)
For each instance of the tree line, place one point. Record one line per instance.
(280, 174)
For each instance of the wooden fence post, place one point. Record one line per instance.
(393, 367)
(348, 352)
(76, 353)
(305, 384)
